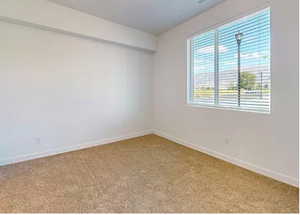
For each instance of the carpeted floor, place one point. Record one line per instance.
(145, 174)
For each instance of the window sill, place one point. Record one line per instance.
(217, 107)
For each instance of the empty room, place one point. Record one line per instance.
(149, 106)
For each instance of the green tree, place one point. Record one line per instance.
(248, 81)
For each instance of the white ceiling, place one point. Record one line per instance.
(153, 16)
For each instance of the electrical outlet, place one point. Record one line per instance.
(227, 141)
(37, 140)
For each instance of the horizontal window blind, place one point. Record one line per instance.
(203, 68)
(233, 72)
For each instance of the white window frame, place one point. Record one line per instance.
(189, 93)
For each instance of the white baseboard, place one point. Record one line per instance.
(104, 141)
(260, 170)
(246, 165)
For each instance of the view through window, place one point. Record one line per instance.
(230, 65)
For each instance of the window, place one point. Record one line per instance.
(230, 65)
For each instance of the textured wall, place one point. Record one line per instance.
(59, 91)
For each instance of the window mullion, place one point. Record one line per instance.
(216, 72)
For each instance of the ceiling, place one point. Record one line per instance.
(153, 16)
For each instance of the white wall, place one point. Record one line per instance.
(58, 92)
(43, 13)
(264, 143)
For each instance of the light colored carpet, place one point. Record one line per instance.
(145, 174)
